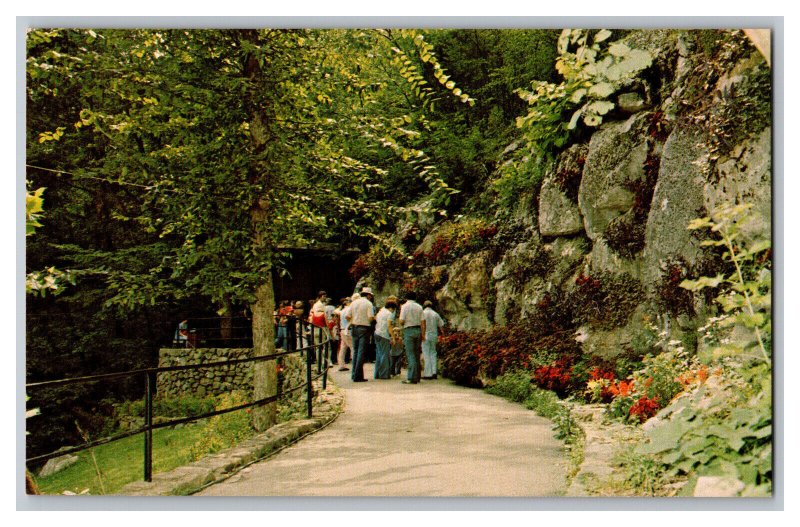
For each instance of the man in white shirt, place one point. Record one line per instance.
(432, 324)
(413, 333)
(361, 315)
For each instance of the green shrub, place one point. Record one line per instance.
(722, 428)
(658, 378)
(641, 473)
(225, 430)
(187, 406)
(515, 386)
(723, 425)
(455, 239)
(548, 405)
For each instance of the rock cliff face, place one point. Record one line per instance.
(692, 132)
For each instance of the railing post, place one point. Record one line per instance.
(309, 388)
(325, 371)
(317, 347)
(148, 423)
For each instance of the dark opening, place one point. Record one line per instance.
(310, 271)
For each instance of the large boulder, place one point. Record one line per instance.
(559, 214)
(746, 176)
(524, 212)
(677, 199)
(717, 487)
(515, 300)
(565, 256)
(57, 464)
(611, 342)
(615, 160)
(463, 298)
(603, 259)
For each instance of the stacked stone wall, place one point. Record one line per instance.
(216, 380)
(203, 382)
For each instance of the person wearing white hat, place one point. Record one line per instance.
(361, 315)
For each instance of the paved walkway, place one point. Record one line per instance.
(429, 439)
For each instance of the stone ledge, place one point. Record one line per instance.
(601, 441)
(189, 479)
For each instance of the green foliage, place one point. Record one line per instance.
(658, 379)
(489, 64)
(593, 72)
(746, 299)
(516, 386)
(51, 279)
(225, 430)
(34, 205)
(186, 406)
(722, 428)
(642, 474)
(180, 165)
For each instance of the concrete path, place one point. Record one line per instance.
(429, 439)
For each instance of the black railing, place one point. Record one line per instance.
(318, 352)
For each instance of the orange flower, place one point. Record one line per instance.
(622, 388)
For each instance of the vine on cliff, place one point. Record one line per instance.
(593, 71)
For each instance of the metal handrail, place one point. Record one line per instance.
(322, 349)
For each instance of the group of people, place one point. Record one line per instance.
(356, 326)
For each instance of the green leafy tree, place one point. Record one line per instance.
(236, 144)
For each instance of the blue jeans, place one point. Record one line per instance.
(382, 365)
(361, 336)
(429, 354)
(281, 340)
(411, 341)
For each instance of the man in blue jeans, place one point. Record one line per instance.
(413, 334)
(361, 315)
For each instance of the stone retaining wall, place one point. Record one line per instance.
(204, 381)
(216, 380)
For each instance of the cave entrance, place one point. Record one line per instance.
(312, 270)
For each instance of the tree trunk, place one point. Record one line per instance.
(265, 373)
(226, 322)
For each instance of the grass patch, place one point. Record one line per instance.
(122, 462)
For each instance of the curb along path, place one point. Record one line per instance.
(430, 439)
(218, 467)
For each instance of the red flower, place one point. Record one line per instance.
(596, 374)
(645, 408)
